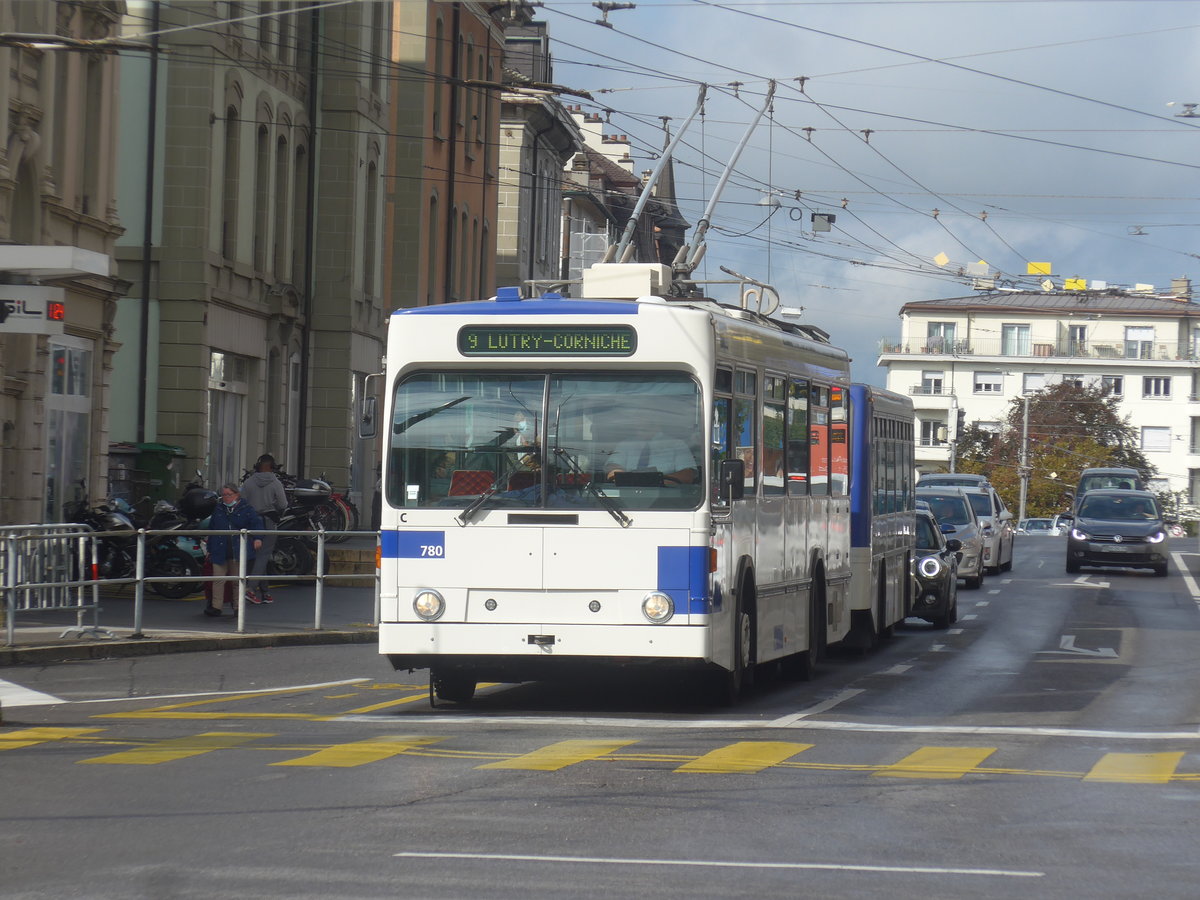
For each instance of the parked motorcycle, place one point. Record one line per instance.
(116, 552)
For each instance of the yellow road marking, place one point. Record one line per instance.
(937, 762)
(1135, 768)
(176, 748)
(559, 755)
(744, 756)
(388, 703)
(360, 753)
(28, 737)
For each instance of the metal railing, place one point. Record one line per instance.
(1060, 349)
(56, 567)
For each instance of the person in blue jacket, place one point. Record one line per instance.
(232, 514)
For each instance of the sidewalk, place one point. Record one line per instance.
(180, 626)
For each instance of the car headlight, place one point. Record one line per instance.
(1078, 535)
(1157, 537)
(658, 607)
(429, 605)
(930, 566)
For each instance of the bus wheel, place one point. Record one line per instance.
(728, 687)
(453, 687)
(806, 662)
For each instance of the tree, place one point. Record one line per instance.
(1071, 428)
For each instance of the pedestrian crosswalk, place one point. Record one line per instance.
(944, 763)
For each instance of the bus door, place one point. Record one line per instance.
(772, 567)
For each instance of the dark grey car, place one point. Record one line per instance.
(1119, 528)
(934, 572)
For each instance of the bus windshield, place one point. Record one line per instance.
(627, 440)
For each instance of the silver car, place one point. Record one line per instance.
(996, 525)
(957, 520)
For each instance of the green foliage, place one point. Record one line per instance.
(1071, 428)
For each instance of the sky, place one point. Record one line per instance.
(939, 133)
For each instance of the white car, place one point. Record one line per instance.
(996, 527)
(1043, 527)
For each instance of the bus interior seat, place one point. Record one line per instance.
(470, 481)
(519, 481)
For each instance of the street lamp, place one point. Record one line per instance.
(1023, 469)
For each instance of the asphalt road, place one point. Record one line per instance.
(1048, 745)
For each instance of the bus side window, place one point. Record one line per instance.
(745, 415)
(797, 438)
(818, 432)
(839, 443)
(774, 473)
(718, 444)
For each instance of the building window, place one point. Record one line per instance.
(68, 421)
(1139, 342)
(932, 382)
(1073, 380)
(940, 337)
(989, 383)
(1193, 486)
(1156, 438)
(1077, 340)
(1032, 382)
(1156, 387)
(933, 433)
(229, 190)
(1014, 340)
(1114, 385)
(228, 384)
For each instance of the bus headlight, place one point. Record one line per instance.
(429, 605)
(930, 566)
(658, 607)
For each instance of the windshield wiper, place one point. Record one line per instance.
(465, 516)
(401, 427)
(590, 486)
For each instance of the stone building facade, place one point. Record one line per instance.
(58, 230)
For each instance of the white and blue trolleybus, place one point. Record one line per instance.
(620, 480)
(882, 518)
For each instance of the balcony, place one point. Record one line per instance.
(1066, 349)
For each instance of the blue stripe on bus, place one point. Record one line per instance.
(412, 544)
(526, 308)
(683, 576)
(861, 476)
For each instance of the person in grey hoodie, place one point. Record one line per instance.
(264, 491)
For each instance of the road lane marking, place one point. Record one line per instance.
(29, 737)
(1066, 644)
(14, 695)
(1135, 768)
(815, 710)
(968, 617)
(937, 762)
(176, 749)
(225, 694)
(744, 757)
(359, 753)
(896, 670)
(559, 755)
(1188, 580)
(982, 602)
(723, 864)
(994, 591)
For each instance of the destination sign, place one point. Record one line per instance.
(547, 340)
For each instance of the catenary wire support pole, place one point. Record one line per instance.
(688, 259)
(624, 247)
(1023, 471)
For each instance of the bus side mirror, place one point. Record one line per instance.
(366, 420)
(731, 480)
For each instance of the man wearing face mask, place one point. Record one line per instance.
(232, 514)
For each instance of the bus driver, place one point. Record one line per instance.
(649, 450)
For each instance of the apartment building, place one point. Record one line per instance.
(964, 359)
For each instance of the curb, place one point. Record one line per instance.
(159, 646)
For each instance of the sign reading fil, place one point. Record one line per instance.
(30, 309)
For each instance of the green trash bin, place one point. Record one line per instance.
(160, 463)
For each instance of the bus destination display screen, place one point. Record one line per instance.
(547, 340)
